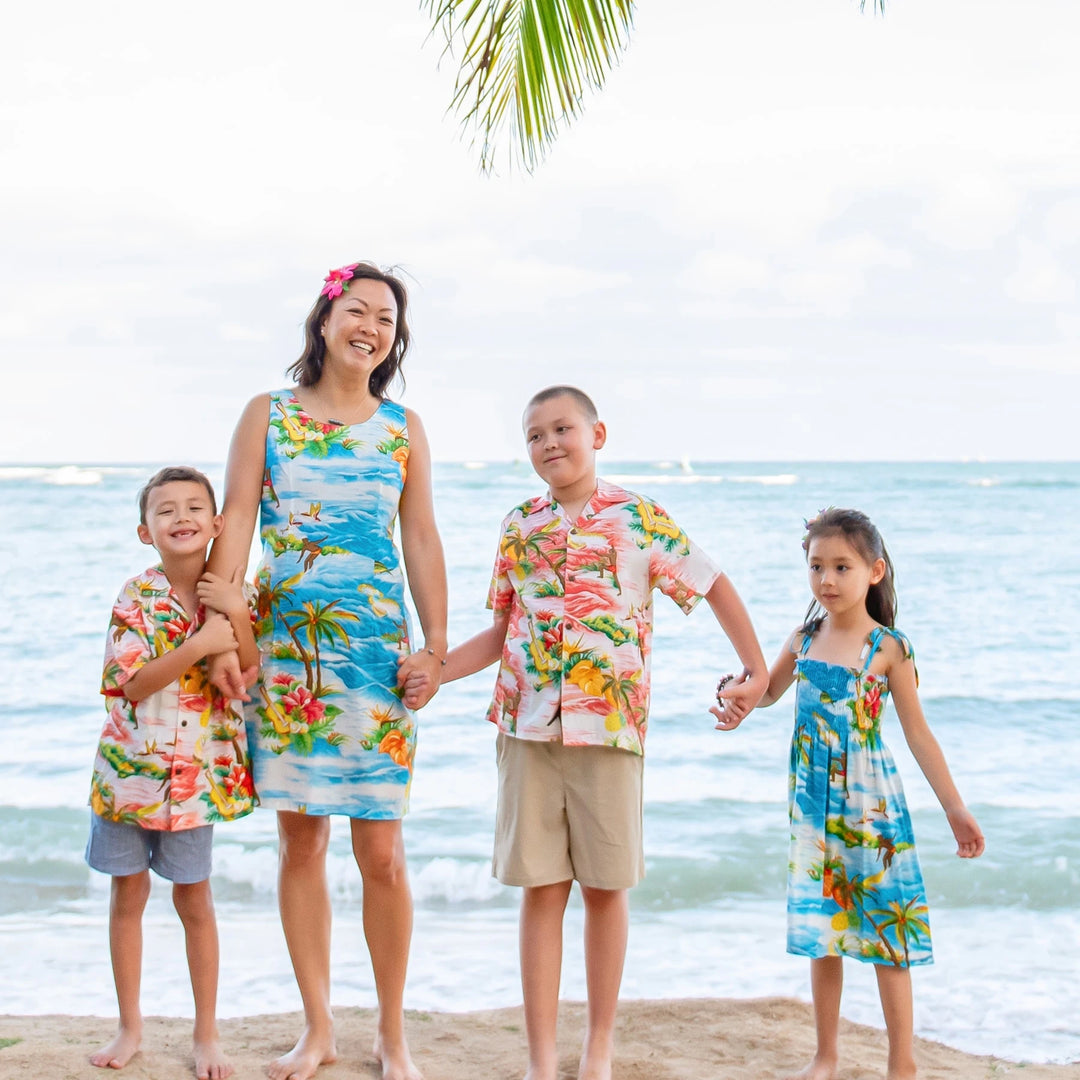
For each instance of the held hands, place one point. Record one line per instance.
(969, 838)
(223, 594)
(419, 675)
(736, 696)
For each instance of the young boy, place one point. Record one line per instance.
(173, 755)
(572, 602)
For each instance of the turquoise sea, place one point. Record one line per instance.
(988, 569)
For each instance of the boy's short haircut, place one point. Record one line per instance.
(581, 399)
(171, 474)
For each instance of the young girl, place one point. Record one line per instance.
(854, 884)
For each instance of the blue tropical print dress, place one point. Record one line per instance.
(854, 883)
(328, 731)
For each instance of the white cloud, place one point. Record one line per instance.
(764, 200)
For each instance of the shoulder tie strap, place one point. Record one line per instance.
(877, 635)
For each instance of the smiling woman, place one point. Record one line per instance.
(329, 465)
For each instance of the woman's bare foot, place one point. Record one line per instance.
(396, 1062)
(302, 1061)
(120, 1051)
(595, 1061)
(210, 1062)
(821, 1068)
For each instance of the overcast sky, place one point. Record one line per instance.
(784, 230)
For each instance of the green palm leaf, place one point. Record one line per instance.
(528, 63)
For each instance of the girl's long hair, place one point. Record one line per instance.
(862, 534)
(308, 369)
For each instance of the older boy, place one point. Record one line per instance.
(572, 602)
(173, 756)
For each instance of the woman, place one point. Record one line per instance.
(329, 464)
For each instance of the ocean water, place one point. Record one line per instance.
(988, 569)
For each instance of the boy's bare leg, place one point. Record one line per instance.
(894, 987)
(127, 902)
(379, 850)
(607, 924)
(194, 904)
(540, 944)
(826, 984)
(304, 903)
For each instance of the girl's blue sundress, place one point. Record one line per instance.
(328, 731)
(854, 883)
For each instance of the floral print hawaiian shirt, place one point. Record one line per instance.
(575, 663)
(177, 759)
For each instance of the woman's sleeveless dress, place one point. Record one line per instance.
(328, 732)
(854, 883)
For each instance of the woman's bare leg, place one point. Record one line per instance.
(304, 903)
(388, 917)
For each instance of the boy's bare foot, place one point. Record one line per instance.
(210, 1062)
(396, 1062)
(120, 1051)
(821, 1068)
(302, 1061)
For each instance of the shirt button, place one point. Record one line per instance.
(183, 723)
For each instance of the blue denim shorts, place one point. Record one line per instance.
(119, 849)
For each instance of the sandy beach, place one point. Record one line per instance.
(658, 1040)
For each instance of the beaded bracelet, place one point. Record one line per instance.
(432, 652)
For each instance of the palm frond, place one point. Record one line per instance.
(526, 65)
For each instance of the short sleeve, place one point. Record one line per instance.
(677, 566)
(501, 592)
(128, 644)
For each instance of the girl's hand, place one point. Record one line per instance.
(216, 635)
(222, 594)
(419, 675)
(736, 698)
(969, 838)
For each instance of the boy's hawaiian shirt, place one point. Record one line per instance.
(177, 759)
(575, 663)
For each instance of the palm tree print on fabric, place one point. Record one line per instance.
(855, 887)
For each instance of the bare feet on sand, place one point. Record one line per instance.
(301, 1062)
(210, 1062)
(595, 1062)
(120, 1051)
(821, 1068)
(397, 1063)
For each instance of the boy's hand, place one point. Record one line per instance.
(216, 635)
(737, 698)
(969, 838)
(222, 594)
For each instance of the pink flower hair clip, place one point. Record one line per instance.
(337, 281)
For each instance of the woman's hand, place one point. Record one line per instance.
(224, 672)
(419, 676)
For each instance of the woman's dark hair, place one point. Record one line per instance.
(862, 534)
(308, 369)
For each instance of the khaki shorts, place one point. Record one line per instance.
(567, 812)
